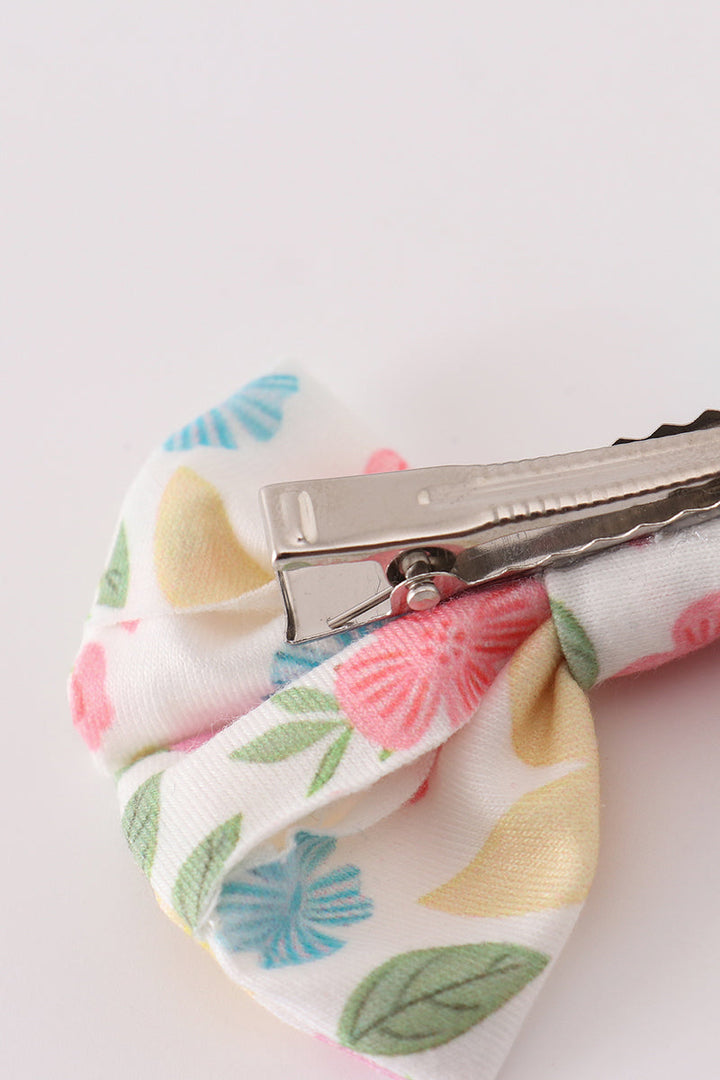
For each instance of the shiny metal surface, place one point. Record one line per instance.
(351, 550)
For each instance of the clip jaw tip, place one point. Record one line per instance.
(353, 550)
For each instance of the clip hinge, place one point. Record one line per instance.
(351, 550)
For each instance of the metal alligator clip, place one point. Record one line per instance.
(351, 550)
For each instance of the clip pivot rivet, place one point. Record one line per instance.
(355, 549)
(422, 595)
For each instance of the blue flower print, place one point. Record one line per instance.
(257, 410)
(291, 662)
(282, 911)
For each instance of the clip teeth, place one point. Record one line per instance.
(708, 419)
(353, 550)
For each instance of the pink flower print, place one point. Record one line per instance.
(385, 461)
(698, 625)
(422, 791)
(392, 688)
(92, 712)
(193, 742)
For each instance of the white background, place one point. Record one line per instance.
(493, 229)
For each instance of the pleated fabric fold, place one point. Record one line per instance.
(386, 836)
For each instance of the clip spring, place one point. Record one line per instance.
(351, 550)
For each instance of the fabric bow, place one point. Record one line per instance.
(386, 836)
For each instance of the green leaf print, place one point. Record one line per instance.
(114, 582)
(576, 645)
(305, 699)
(425, 998)
(140, 821)
(283, 741)
(200, 872)
(331, 760)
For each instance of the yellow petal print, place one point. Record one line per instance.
(541, 854)
(198, 558)
(323, 819)
(550, 718)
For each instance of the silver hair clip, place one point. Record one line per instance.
(351, 550)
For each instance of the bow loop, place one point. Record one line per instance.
(387, 835)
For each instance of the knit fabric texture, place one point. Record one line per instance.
(387, 835)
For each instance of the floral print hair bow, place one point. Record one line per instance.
(386, 836)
